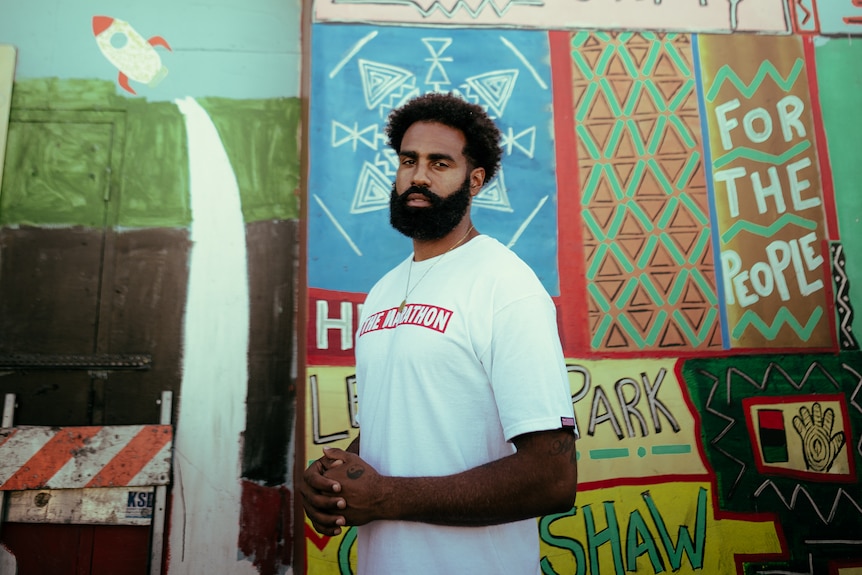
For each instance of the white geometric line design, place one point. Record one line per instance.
(785, 572)
(353, 51)
(456, 6)
(511, 140)
(406, 91)
(338, 226)
(379, 80)
(495, 87)
(526, 223)
(842, 299)
(853, 401)
(437, 75)
(372, 190)
(342, 134)
(494, 196)
(799, 489)
(526, 63)
(743, 467)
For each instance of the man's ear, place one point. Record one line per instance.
(477, 180)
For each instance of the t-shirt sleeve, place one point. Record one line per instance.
(526, 368)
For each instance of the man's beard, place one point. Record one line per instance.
(431, 222)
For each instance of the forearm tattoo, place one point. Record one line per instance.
(566, 445)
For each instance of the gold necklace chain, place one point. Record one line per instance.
(408, 290)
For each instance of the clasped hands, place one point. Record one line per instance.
(340, 489)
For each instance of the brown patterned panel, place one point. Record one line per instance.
(649, 261)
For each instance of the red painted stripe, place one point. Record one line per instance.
(40, 468)
(771, 418)
(572, 303)
(133, 457)
(5, 438)
(319, 541)
(827, 184)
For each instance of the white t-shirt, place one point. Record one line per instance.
(472, 361)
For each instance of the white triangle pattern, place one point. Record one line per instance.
(495, 88)
(380, 80)
(372, 190)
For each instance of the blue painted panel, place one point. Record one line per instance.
(359, 73)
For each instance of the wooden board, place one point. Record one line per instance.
(7, 76)
(104, 506)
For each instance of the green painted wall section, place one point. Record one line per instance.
(57, 94)
(138, 157)
(59, 167)
(261, 138)
(840, 87)
(155, 183)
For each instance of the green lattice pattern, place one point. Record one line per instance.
(644, 203)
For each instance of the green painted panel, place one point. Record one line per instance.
(56, 172)
(840, 86)
(54, 93)
(155, 183)
(261, 138)
(148, 175)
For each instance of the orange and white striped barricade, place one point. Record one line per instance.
(111, 474)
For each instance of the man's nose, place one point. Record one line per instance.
(420, 176)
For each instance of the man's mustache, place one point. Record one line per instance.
(421, 190)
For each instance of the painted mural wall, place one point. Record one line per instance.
(682, 175)
(150, 205)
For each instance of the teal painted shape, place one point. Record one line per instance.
(243, 49)
(782, 318)
(839, 17)
(609, 453)
(671, 449)
(767, 231)
(839, 80)
(726, 74)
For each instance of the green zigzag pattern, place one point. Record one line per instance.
(763, 157)
(726, 74)
(783, 317)
(767, 231)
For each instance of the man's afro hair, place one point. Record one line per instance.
(482, 135)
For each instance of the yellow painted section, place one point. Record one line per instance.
(626, 511)
(650, 446)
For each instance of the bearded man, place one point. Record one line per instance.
(467, 432)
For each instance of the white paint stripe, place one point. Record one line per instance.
(526, 63)
(90, 460)
(526, 223)
(19, 448)
(212, 400)
(341, 230)
(353, 52)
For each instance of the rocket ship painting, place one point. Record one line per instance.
(135, 57)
